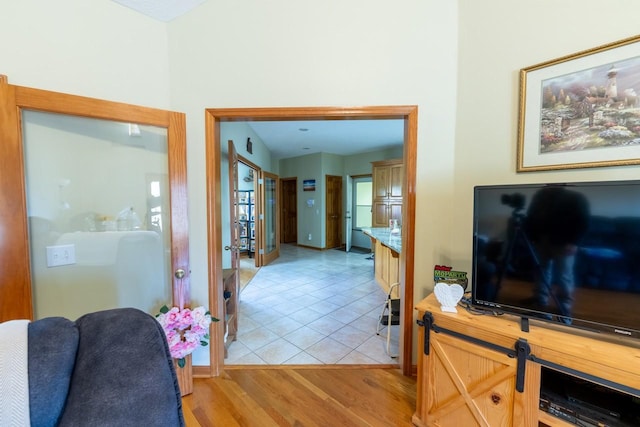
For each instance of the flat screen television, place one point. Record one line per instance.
(566, 253)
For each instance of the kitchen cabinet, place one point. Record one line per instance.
(388, 177)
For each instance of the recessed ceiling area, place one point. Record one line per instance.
(342, 137)
(162, 10)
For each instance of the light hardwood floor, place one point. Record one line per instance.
(302, 396)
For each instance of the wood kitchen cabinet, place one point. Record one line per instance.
(386, 266)
(388, 176)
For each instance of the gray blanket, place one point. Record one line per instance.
(109, 368)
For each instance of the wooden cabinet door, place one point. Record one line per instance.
(396, 173)
(394, 207)
(464, 384)
(388, 176)
(381, 266)
(380, 182)
(380, 214)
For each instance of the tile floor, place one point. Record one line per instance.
(312, 307)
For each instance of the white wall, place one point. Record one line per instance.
(458, 61)
(252, 54)
(291, 53)
(511, 35)
(98, 49)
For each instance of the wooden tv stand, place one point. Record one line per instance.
(471, 375)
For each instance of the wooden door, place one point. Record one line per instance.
(232, 276)
(15, 286)
(289, 210)
(15, 258)
(268, 218)
(334, 211)
(234, 244)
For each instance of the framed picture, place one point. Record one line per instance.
(581, 110)
(309, 185)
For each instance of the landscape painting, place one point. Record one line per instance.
(582, 110)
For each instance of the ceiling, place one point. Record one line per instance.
(162, 10)
(342, 137)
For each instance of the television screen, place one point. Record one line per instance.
(567, 253)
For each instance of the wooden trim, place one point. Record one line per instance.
(177, 155)
(214, 249)
(15, 286)
(81, 106)
(311, 113)
(388, 162)
(267, 258)
(201, 371)
(317, 367)
(249, 163)
(407, 266)
(366, 175)
(407, 112)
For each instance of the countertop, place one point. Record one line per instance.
(384, 236)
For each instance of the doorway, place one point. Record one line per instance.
(362, 191)
(409, 114)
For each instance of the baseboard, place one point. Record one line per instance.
(319, 367)
(310, 247)
(201, 372)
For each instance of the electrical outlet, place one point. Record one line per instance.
(61, 255)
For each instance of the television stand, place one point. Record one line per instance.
(474, 383)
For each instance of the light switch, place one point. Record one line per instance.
(61, 255)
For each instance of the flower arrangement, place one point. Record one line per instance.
(186, 329)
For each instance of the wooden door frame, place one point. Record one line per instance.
(408, 113)
(15, 288)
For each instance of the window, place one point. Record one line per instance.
(362, 197)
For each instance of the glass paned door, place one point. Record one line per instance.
(98, 212)
(269, 218)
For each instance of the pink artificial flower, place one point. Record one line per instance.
(185, 329)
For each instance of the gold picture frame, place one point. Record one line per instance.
(581, 110)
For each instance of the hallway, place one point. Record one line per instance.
(312, 307)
